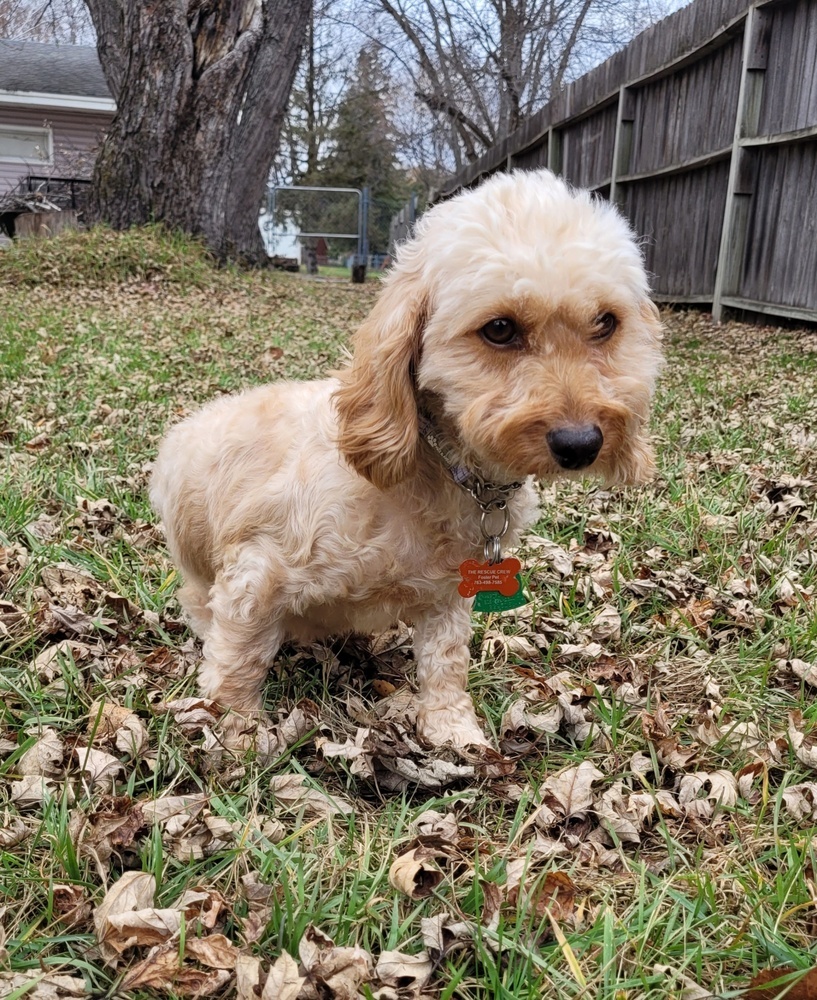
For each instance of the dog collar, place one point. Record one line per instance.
(489, 497)
(463, 476)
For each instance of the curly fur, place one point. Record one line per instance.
(307, 509)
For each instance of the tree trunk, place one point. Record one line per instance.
(201, 87)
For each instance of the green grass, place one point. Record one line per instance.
(104, 340)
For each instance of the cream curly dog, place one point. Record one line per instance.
(514, 338)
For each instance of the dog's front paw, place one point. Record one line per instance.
(456, 727)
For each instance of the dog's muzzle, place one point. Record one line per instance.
(575, 447)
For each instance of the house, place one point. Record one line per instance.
(54, 106)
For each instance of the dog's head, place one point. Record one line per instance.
(523, 308)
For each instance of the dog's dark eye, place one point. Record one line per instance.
(500, 332)
(605, 326)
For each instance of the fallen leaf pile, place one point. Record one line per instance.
(643, 827)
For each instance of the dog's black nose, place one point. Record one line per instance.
(575, 447)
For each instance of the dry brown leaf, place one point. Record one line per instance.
(700, 793)
(113, 825)
(284, 981)
(492, 898)
(13, 833)
(290, 790)
(247, 977)
(708, 733)
(744, 735)
(641, 763)
(556, 556)
(801, 801)
(350, 750)
(415, 873)
(625, 817)
(162, 970)
(606, 624)
(671, 754)
(31, 791)
(45, 756)
(158, 971)
(298, 723)
(72, 907)
(567, 795)
(409, 972)
(195, 834)
(392, 758)
(431, 823)
(434, 773)
(790, 985)
(668, 804)
(656, 725)
(204, 906)
(73, 620)
(800, 668)
(99, 768)
(500, 646)
(746, 777)
(548, 847)
(213, 950)
(442, 934)
(117, 726)
(336, 969)
(49, 662)
(69, 584)
(580, 651)
(525, 722)
(42, 985)
(192, 714)
(137, 928)
(133, 891)
(169, 807)
(804, 746)
(554, 895)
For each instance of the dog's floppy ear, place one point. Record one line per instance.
(376, 405)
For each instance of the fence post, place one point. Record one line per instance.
(555, 151)
(623, 144)
(741, 173)
(362, 260)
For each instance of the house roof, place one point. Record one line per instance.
(41, 68)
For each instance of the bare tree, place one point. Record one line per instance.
(201, 88)
(328, 58)
(481, 67)
(46, 21)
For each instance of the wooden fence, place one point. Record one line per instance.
(703, 130)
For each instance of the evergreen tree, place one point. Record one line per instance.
(364, 148)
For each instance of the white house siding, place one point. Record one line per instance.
(76, 134)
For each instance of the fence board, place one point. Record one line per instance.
(680, 219)
(780, 262)
(791, 78)
(532, 158)
(666, 132)
(587, 149)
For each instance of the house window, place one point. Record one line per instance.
(21, 144)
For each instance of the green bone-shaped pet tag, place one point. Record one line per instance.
(492, 600)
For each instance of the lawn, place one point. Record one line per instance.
(648, 831)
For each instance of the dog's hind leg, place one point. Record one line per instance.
(446, 713)
(244, 632)
(194, 597)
